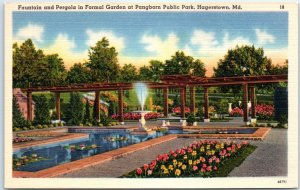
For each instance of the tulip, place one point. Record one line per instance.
(139, 171)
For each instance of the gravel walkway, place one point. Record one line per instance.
(269, 159)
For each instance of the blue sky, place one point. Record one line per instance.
(142, 36)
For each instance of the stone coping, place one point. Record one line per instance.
(259, 134)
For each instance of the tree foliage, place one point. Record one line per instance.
(55, 70)
(18, 119)
(78, 73)
(153, 72)
(74, 113)
(103, 62)
(128, 73)
(183, 64)
(242, 61)
(41, 111)
(87, 114)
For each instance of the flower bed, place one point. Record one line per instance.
(264, 112)
(137, 116)
(200, 159)
(236, 112)
(21, 140)
(177, 110)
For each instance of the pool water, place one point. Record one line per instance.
(57, 154)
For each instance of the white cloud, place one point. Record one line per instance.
(208, 45)
(263, 37)
(65, 47)
(163, 48)
(115, 41)
(33, 31)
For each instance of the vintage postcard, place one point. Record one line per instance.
(151, 95)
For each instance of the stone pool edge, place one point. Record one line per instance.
(259, 134)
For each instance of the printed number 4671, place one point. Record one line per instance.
(282, 181)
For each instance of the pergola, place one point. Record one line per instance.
(167, 82)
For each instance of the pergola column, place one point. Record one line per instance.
(182, 99)
(206, 105)
(29, 106)
(57, 95)
(253, 102)
(245, 102)
(120, 106)
(97, 107)
(166, 105)
(192, 100)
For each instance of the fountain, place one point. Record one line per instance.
(142, 93)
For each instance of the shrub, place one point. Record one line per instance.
(264, 112)
(280, 103)
(191, 119)
(41, 112)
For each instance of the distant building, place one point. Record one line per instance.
(22, 101)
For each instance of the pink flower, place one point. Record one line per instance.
(202, 170)
(210, 160)
(139, 171)
(217, 160)
(149, 172)
(204, 166)
(174, 155)
(215, 168)
(146, 166)
(208, 168)
(195, 168)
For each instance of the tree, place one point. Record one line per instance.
(87, 115)
(128, 73)
(55, 70)
(103, 62)
(18, 119)
(27, 64)
(242, 61)
(42, 110)
(152, 72)
(78, 73)
(182, 64)
(74, 113)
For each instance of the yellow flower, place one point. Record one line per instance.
(166, 171)
(202, 149)
(183, 167)
(179, 164)
(222, 145)
(162, 167)
(194, 153)
(185, 157)
(198, 161)
(171, 167)
(208, 152)
(190, 162)
(195, 162)
(208, 147)
(217, 146)
(213, 152)
(177, 172)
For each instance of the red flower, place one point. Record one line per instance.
(146, 166)
(195, 168)
(139, 171)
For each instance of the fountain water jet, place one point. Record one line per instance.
(142, 93)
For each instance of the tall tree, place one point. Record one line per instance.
(242, 61)
(87, 115)
(128, 73)
(78, 73)
(183, 64)
(152, 72)
(27, 62)
(18, 119)
(42, 110)
(74, 114)
(56, 73)
(103, 62)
